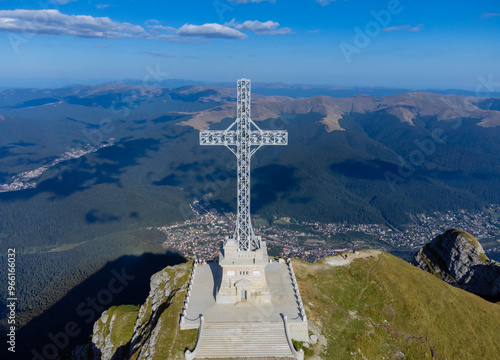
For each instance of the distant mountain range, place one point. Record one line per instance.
(296, 90)
(360, 159)
(303, 90)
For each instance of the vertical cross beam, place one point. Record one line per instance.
(240, 141)
(244, 231)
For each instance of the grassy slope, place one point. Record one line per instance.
(376, 307)
(125, 327)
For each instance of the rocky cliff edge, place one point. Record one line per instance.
(129, 332)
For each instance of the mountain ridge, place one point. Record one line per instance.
(308, 90)
(406, 107)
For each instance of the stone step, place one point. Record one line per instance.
(240, 340)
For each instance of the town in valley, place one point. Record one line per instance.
(200, 238)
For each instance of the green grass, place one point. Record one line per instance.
(377, 307)
(259, 221)
(483, 257)
(119, 326)
(281, 222)
(123, 328)
(470, 239)
(300, 345)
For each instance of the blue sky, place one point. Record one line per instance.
(394, 43)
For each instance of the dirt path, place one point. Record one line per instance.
(340, 260)
(368, 278)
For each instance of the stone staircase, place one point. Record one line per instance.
(244, 340)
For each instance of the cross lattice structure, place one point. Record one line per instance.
(244, 138)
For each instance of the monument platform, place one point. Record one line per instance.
(245, 328)
(204, 291)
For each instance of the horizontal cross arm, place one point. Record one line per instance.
(269, 137)
(256, 137)
(214, 137)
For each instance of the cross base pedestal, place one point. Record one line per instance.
(243, 275)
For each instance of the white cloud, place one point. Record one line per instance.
(250, 1)
(260, 28)
(158, 54)
(210, 31)
(102, 6)
(175, 38)
(404, 27)
(324, 2)
(161, 27)
(282, 31)
(52, 22)
(61, 2)
(488, 15)
(256, 25)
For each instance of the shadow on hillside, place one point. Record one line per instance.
(270, 181)
(70, 321)
(484, 282)
(369, 170)
(378, 170)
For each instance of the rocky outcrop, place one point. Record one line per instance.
(130, 332)
(459, 259)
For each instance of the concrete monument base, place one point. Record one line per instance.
(243, 275)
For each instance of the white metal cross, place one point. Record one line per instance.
(244, 138)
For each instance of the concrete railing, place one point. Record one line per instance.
(302, 312)
(188, 294)
(299, 355)
(188, 355)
